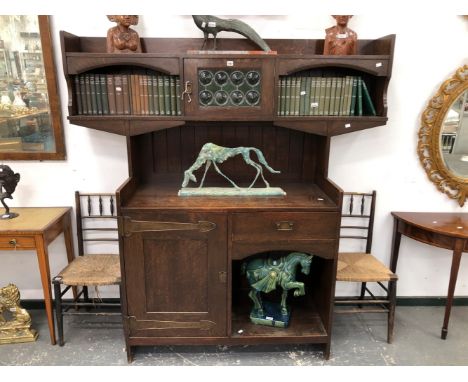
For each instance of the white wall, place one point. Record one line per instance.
(428, 50)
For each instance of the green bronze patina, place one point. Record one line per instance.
(265, 274)
(212, 154)
(209, 24)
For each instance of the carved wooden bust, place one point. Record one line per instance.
(340, 40)
(121, 38)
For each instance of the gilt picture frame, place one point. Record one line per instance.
(31, 126)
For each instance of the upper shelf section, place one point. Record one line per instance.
(297, 88)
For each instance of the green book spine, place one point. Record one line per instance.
(313, 96)
(118, 94)
(167, 95)
(331, 108)
(347, 96)
(84, 103)
(302, 96)
(162, 107)
(352, 110)
(79, 106)
(359, 97)
(88, 94)
(155, 95)
(350, 94)
(283, 96)
(150, 95)
(92, 90)
(338, 91)
(292, 105)
(172, 87)
(146, 93)
(323, 84)
(178, 105)
(367, 100)
(326, 105)
(97, 84)
(104, 96)
(111, 93)
(141, 92)
(307, 98)
(287, 104)
(344, 96)
(297, 96)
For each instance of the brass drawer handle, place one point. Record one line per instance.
(284, 226)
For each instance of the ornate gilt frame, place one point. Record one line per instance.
(429, 152)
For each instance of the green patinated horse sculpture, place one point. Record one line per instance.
(264, 274)
(213, 154)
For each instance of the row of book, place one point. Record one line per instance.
(327, 96)
(127, 93)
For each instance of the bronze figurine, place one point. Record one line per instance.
(340, 40)
(213, 25)
(8, 182)
(122, 38)
(15, 322)
(264, 275)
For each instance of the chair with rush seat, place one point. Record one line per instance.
(96, 225)
(357, 222)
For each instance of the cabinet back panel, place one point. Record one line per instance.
(170, 152)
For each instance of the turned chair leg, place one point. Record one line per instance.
(363, 293)
(58, 311)
(391, 309)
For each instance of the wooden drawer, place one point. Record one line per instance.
(273, 226)
(17, 242)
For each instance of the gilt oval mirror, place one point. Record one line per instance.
(443, 137)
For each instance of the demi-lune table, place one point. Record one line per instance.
(34, 229)
(441, 229)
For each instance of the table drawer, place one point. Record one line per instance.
(272, 226)
(17, 242)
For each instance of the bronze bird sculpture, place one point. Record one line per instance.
(213, 25)
(8, 182)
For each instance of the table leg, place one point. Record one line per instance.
(457, 252)
(43, 260)
(396, 239)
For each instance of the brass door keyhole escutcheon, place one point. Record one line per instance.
(188, 91)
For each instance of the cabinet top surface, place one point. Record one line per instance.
(446, 223)
(379, 46)
(300, 197)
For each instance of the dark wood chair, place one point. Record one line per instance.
(357, 222)
(96, 225)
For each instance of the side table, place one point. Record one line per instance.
(34, 229)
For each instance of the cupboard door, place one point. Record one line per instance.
(229, 87)
(175, 276)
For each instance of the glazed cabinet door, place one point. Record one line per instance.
(175, 275)
(229, 88)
